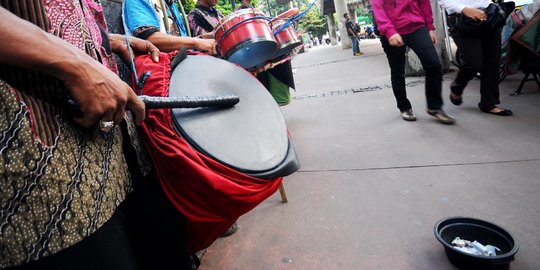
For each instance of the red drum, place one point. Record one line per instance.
(286, 15)
(244, 39)
(205, 158)
(288, 40)
(250, 137)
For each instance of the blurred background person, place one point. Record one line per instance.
(204, 18)
(352, 32)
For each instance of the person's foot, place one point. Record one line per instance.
(408, 115)
(358, 53)
(498, 111)
(231, 230)
(442, 116)
(456, 99)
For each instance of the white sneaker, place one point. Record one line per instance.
(408, 115)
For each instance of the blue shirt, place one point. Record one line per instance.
(148, 13)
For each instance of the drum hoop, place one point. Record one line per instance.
(229, 17)
(287, 14)
(277, 22)
(286, 27)
(228, 31)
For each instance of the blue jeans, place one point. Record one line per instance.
(355, 47)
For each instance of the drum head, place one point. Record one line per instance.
(250, 136)
(252, 52)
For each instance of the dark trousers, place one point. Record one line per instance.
(420, 42)
(108, 248)
(479, 54)
(146, 232)
(156, 228)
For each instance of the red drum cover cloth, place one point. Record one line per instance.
(210, 195)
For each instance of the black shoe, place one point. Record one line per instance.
(231, 230)
(456, 101)
(442, 116)
(408, 115)
(504, 112)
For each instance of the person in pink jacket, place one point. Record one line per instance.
(410, 23)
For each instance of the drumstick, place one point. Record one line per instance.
(170, 103)
(189, 102)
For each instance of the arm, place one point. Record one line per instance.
(119, 47)
(137, 14)
(425, 8)
(170, 43)
(452, 6)
(100, 94)
(386, 27)
(349, 29)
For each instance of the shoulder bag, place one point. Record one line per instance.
(496, 18)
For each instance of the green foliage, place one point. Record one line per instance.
(362, 13)
(313, 22)
(223, 5)
(276, 9)
(365, 13)
(188, 5)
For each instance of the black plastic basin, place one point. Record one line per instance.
(484, 232)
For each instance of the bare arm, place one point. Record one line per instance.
(100, 94)
(119, 47)
(474, 13)
(169, 43)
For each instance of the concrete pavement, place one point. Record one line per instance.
(372, 186)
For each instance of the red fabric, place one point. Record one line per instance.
(210, 195)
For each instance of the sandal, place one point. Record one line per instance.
(456, 101)
(503, 112)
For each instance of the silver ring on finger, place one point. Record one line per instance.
(105, 126)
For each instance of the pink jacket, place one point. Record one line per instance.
(402, 16)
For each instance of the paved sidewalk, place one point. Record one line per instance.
(372, 186)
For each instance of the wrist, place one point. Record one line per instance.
(116, 41)
(71, 67)
(62, 60)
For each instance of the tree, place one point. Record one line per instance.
(276, 9)
(188, 5)
(223, 5)
(313, 22)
